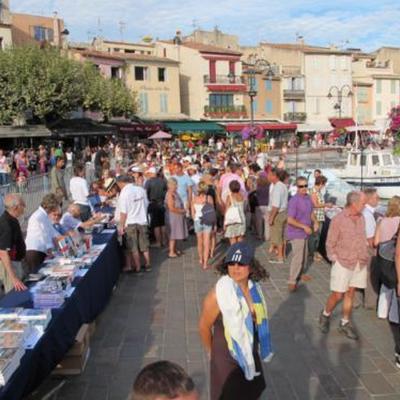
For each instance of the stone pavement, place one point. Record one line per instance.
(155, 317)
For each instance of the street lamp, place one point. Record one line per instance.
(340, 93)
(255, 65)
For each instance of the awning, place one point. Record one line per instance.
(320, 128)
(238, 127)
(81, 127)
(194, 126)
(27, 131)
(341, 123)
(363, 128)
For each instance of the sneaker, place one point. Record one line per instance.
(397, 360)
(147, 268)
(348, 330)
(324, 322)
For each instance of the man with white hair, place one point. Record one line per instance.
(347, 248)
(72, 220)
(12, 244)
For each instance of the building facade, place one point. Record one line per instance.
(214, 38)
(328, 85)
(34, 29)
(267, 102)
(5, 25)
(155, 80)
(377, 82)
(384, 54)
(212, 86)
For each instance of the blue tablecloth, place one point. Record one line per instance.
(88, 300)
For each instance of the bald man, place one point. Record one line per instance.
(12, 244)
(71, 219)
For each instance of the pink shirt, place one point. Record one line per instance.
(347, 240)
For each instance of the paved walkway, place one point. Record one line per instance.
(155, 317)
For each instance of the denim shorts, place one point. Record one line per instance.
(200, 228)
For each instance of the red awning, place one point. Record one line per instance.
(341, 123)
(238, 127)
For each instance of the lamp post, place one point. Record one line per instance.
(340, 93)
(255, 65)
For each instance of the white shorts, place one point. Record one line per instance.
(343, 278)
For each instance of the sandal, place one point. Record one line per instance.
(174, 256)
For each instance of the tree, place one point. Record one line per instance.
(50, 86)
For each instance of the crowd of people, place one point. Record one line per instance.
(162, 193)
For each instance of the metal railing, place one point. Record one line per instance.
(293, 93)
(295, 116)
(224, 79)
(35, 187)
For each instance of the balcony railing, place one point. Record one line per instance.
(225, 111)
(223, 80)
(290, 70)
(295, 116)
(293, 94)
(378, 64)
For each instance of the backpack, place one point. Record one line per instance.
(386, 262)
(208, 215)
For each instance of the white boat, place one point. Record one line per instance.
(372, 168)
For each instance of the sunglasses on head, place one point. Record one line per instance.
(302, 186)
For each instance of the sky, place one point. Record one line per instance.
(365, 24)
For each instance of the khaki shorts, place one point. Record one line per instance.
(278, 228)
(7, 282)
(136, 238)
(343, 278)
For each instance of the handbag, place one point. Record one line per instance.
(386, 262)
(232, 215)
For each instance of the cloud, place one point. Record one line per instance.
(364, 23)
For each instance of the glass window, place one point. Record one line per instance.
(253, 82)
(162, 75)
(353, 159)
(378, 86)
(363, 160)
(50, 35)
(39, 33)
(221, 100)
(387, 160)
(375, 160)
(140, 73)
(362, 94)
(268, 85)
(268, 106)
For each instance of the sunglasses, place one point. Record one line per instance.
(230, 264)
(302, 186)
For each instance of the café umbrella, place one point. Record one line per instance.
(160, 135)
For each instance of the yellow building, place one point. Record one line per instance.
(377, 89)
(154, 79)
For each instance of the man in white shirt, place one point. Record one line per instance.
(371, 291)
(278, 203)
(41, 233)
(133, 223)
(80, 191)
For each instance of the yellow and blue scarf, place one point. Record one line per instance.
(238, 323)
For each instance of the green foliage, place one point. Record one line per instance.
(50, 86)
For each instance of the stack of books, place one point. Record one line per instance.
(38, 319)
(50, 293)
(9, 361)
(13, 334)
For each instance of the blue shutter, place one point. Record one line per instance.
(268, 106)
(268, 85)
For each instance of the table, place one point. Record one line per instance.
(88, 300)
